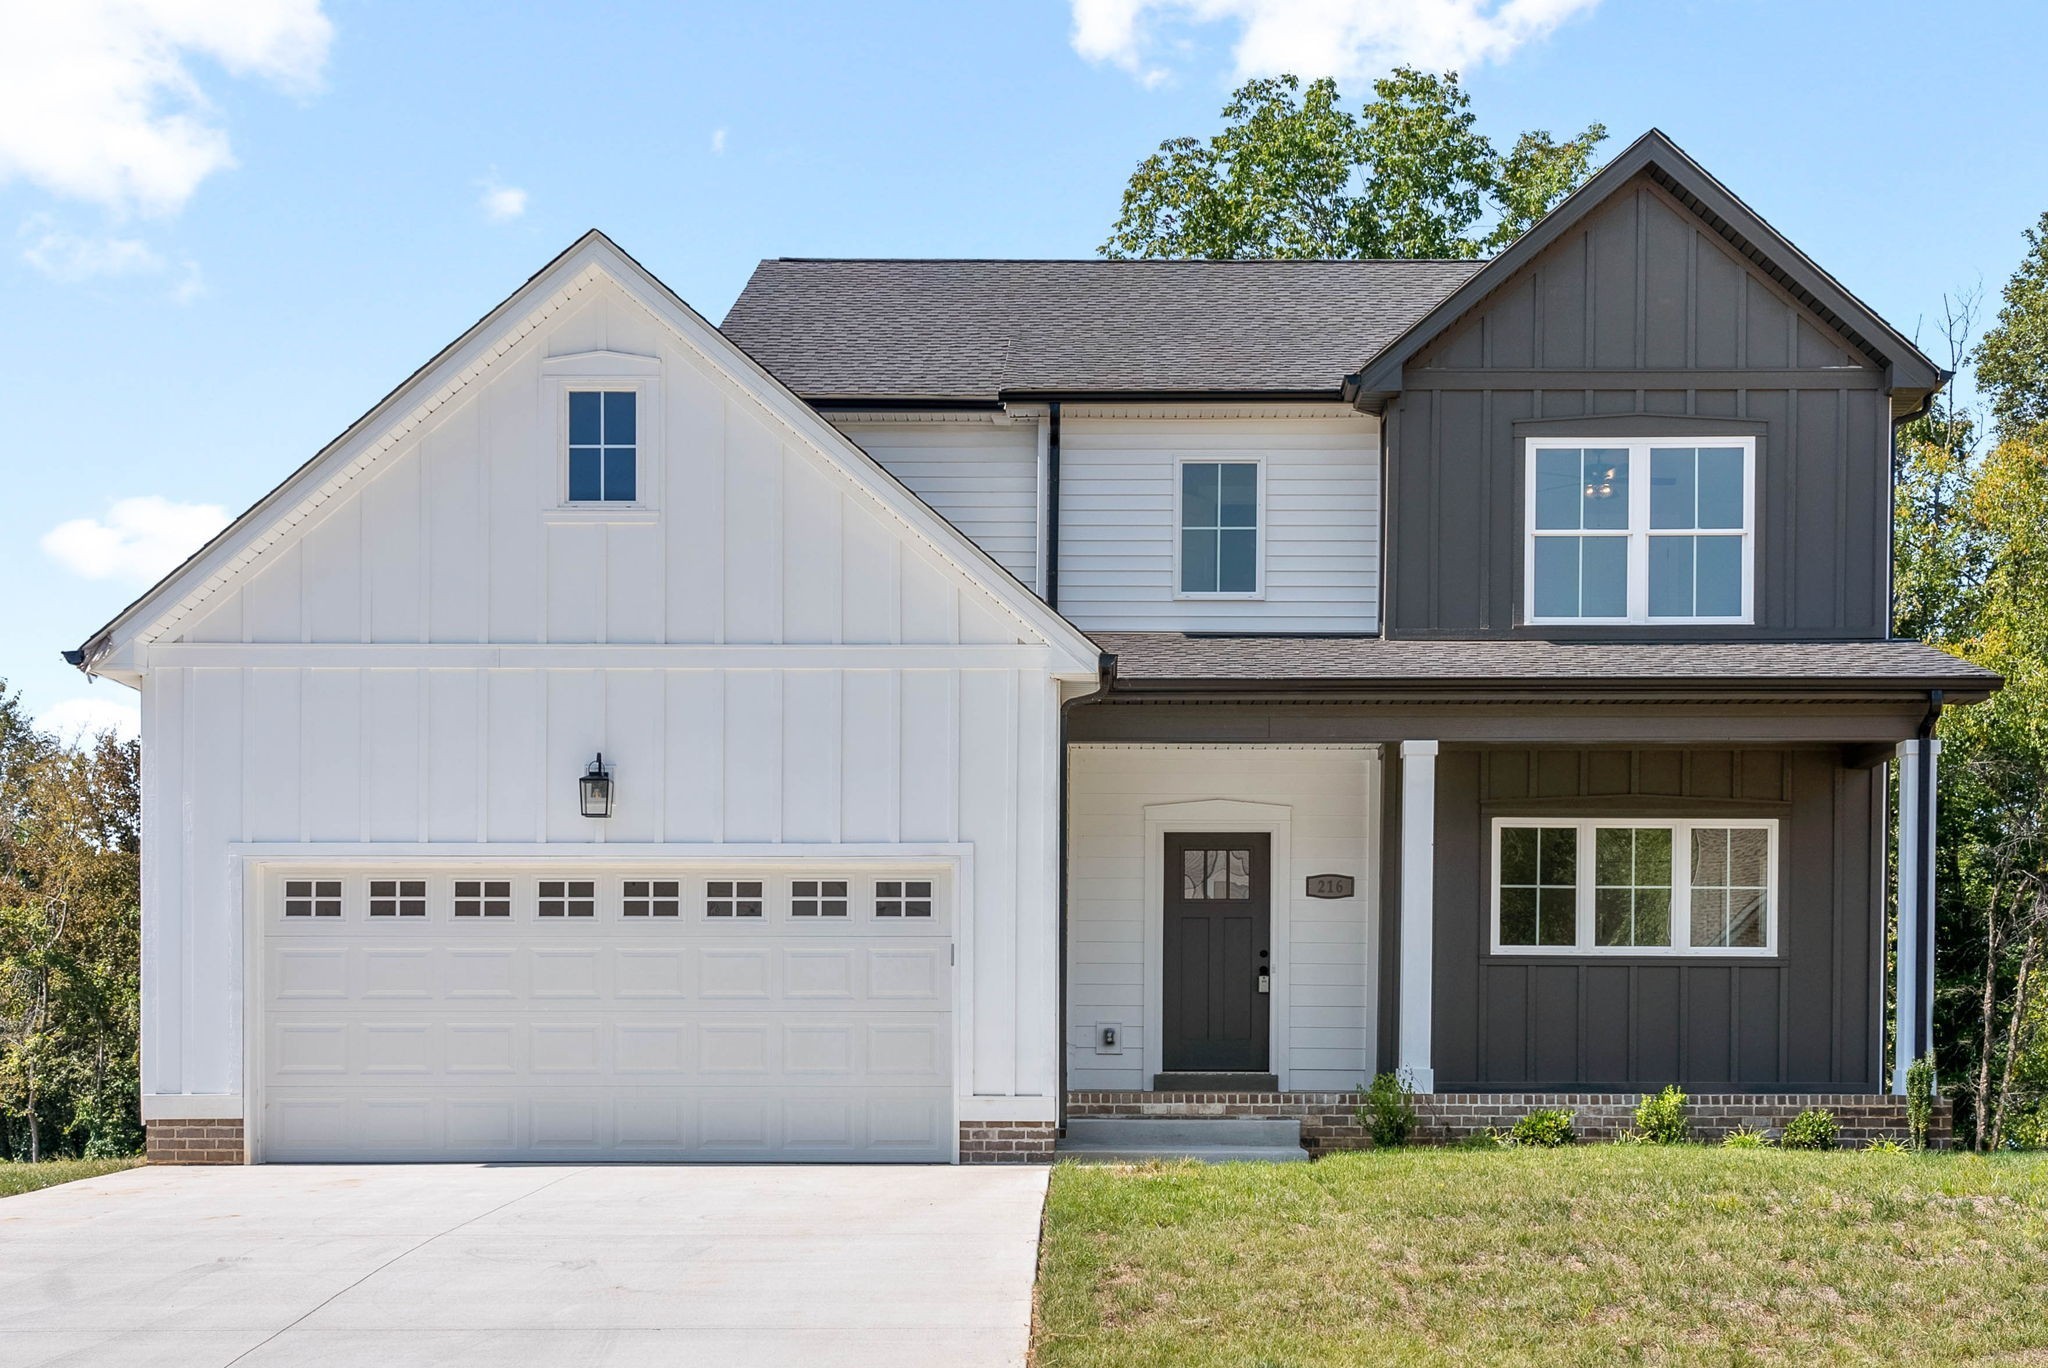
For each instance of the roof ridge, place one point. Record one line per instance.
(1474, 262)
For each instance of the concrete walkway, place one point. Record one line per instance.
(507, 1265)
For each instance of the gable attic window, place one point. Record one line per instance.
(1644, 532)
(604, 446)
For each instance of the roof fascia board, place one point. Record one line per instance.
(1906, 367)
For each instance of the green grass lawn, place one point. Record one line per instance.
(1594, 1255)
(16, 1179)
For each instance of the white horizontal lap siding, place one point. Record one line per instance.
(980, 476)
(1327, 954)
(1322, 507)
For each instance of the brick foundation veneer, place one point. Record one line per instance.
(1006, 1142)
(1329, 1121)
(193, 1142)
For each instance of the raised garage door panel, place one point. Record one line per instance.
(770, 1036)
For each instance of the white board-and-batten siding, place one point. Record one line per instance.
(1325, 1040)
(1321, 494)
(426, 661)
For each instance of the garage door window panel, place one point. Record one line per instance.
(312, 898)
(731, 899)
(897, 899)
(819, 898)
(397, 899)
(653, 898)
(479, 899)
(562, 898)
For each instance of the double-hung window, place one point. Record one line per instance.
(1219, 530)
(1641, 531)
(604, 446)
(1634, 886)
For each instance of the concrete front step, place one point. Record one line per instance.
(1133, 1139)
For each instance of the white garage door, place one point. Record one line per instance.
(626, 1014)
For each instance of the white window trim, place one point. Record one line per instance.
(1258, 462)
(648, 464)
(1681, 888)
(1639, 532)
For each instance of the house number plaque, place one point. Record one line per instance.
(1331, 886)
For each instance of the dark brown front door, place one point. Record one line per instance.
(1217, 953)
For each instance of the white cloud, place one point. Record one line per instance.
(72, 258)
(78, 719)
(98, 101)
(501, 203)
(717, 142)
(139, 541)
(1352, 39)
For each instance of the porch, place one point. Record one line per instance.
(1240, 933)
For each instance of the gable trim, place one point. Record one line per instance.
(1907, 370)
(117, 649)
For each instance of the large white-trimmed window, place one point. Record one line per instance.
(1642, 531)
(1219, 554)
(1635, 886)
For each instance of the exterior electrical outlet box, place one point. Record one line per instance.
(1109, 1040)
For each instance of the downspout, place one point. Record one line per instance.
(1923, 844)
(1051, 575)
(1105, 669)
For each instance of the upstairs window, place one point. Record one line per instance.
(604, 446)
(1219, 529)
(1641, 532)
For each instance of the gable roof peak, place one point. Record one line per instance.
(1910, 375)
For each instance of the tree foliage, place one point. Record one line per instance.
(70, 902)
(1295, 174)
(1971, 552)
(2012, 359)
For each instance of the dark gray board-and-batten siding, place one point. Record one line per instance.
(1804, 1019)
(1649, 324)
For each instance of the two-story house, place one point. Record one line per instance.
(955, 694)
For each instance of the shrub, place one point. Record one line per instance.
(1920, 1099)
(1546, 1127)
(1746, 1137)
(1813, 1129)
(1387, 1110)
(1661, 1120)
(1884, 1144)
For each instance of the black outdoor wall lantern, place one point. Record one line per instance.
(594, 789)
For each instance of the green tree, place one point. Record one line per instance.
(2012, 358)
(70, 902)
(1295, 174)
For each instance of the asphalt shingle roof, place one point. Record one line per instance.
(1165, 657)
(978, 330)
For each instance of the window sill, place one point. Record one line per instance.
(1523, 954)
(1182, 596)
(599, 513)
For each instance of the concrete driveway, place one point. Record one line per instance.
(503, 1265)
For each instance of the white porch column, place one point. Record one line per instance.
(1418, 911)
(1913, 1022)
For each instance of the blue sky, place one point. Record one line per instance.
(190, 311)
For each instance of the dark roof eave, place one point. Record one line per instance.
(1956, 690)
